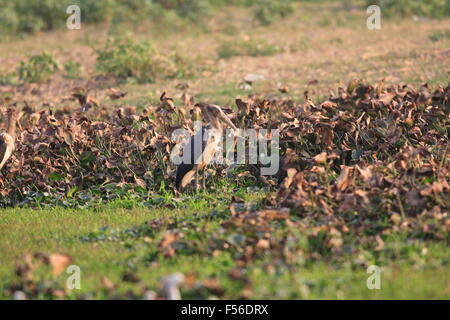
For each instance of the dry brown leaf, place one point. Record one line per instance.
(263, 244)
(140, 182)
(107, 283)
(281, 214)
(380, 243)
(321, 157)
(345, 178)
(59, 262)
(168, 239)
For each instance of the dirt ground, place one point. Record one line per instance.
(323, 47)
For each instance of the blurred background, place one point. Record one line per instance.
(28, 16)
(213, 47)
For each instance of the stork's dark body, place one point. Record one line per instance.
(184, 168)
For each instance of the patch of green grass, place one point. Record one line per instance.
(125, 58)
(252, 47)
(226, 93)
(73, 69)
(8, 78)
(38, 68)
(140, 62)
(188, 68)
(125, 236)
(301, 45)
(268, 12)
(119, 239)
(327, 282)
(65, 231)
(440, 35)
(429, 8)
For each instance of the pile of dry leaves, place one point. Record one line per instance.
(365, 146)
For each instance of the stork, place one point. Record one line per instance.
(7, 139)
(209, 136)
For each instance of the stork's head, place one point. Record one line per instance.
(213, 114)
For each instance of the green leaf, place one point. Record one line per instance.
(71, 192)
(55, 176)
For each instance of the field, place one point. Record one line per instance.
(364, 179)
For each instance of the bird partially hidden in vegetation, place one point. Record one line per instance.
(7, 139)
(209, 137)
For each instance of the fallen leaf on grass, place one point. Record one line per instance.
(59, 262)
(107, 283)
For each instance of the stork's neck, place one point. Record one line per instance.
(11, 124)
(214, 122)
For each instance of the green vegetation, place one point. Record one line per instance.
(7, 78)
(73, 69)
(250, 47)
(38, 68)
(428, 8)
(125, 58)
(440, 35)
(29, 16)
(136, 248)
(122, 58)
(268, 12)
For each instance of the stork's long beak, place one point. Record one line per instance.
(227, 120)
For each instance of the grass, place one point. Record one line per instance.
(73, 69)
(102, 245)
(58, 231)
(430, 8)
(38, 68)
(78, 233)
(440, 35)
(125, 58)
(252, 48)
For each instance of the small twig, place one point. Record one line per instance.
(443, 159)
(402, 210)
